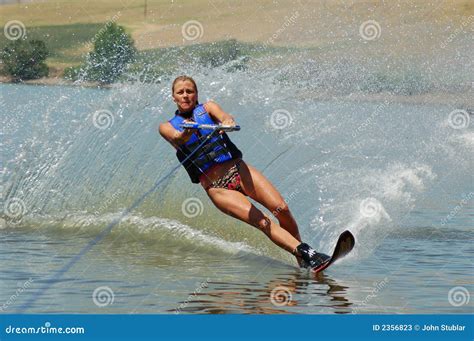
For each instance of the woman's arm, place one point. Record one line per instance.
(216, 112)
(174, 136)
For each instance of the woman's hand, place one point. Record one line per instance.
(187, 132)
(229, 121)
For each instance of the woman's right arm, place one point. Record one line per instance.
(173, 136)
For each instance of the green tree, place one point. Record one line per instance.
(113, 51)
(25, 59)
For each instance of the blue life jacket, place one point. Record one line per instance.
(218, 149)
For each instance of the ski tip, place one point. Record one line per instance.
(348, 235)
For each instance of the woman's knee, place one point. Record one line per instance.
(261, 221)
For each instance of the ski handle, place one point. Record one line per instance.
(218, 127)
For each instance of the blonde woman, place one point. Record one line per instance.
(227, 179)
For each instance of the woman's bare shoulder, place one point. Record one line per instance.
(211, 105)
(166, 129)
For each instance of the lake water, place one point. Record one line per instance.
(79, 162)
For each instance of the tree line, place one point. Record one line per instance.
(113, 50)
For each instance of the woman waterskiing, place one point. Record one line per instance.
(227, 179)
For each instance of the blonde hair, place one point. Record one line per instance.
(182, 79)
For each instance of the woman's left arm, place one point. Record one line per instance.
(216, 112)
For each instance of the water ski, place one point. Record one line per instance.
(344, 245)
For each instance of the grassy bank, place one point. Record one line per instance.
(69, 44)
(329, 30)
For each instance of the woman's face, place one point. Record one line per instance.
(185, 95)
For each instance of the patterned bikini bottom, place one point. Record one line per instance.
(230, 180)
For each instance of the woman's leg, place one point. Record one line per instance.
(238, 206)
(259, 188)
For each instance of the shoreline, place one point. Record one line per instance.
(462, 100)
(54, 81)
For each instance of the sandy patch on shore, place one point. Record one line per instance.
(295, 23)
